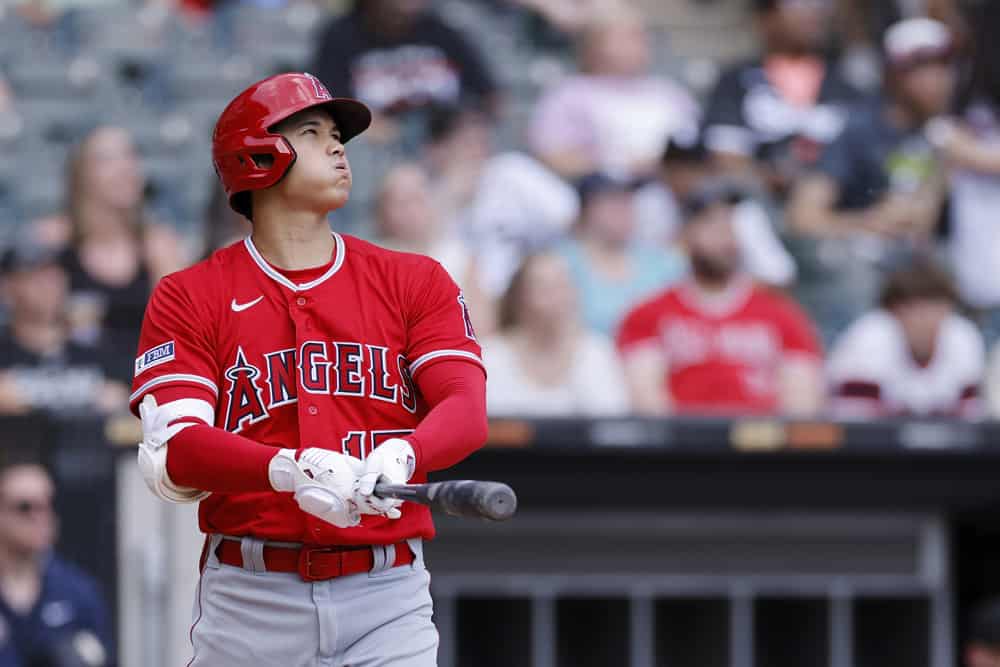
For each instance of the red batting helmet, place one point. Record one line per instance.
(244, 131)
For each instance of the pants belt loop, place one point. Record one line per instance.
(417, 547)
(214, 540)
(383, 557)
(252, 551)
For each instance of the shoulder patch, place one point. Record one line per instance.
(155, 356)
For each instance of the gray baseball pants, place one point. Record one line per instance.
(246, 616)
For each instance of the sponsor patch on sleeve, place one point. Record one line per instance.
(160, 354)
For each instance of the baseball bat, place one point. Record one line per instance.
(470, 498)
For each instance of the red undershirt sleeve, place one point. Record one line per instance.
(456, 425)
(207, 458)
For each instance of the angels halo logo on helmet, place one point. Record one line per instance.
(242, 133)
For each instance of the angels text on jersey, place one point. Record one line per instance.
(256, 386)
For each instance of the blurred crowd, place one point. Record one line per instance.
(792, 212)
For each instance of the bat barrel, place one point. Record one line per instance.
(489, 500)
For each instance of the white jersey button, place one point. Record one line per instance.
(313, 410)
(301, 301)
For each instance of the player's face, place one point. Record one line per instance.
(610, 217)
(405, 212)
(547, 294)
(320, 179)
(27, 523)
(112, 171)
(711, 243)
(921, 321)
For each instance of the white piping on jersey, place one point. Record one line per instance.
(276, 275)
(424, 358)
(173, 377)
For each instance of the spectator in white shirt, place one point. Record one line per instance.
(614, 115)
(913, 356)
(543, 362)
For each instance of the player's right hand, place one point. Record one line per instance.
(324, 483)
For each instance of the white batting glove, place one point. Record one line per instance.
(324, 483)
(391, 462)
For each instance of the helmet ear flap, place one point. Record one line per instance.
(265, 164)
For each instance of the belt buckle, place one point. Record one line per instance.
(306, 563)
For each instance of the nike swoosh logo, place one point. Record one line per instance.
(237, 307)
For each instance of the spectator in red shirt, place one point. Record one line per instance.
(718, 343)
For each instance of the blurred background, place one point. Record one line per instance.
(732, 264)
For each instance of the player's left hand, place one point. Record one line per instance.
(391, 462)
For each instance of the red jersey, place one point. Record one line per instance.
(326, 363)
(723, 356)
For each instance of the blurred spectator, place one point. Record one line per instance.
(614, 115)
(398, 55)
(863, 24)
(611, 271)
(52, 612)
(459, 145)
(718, 343)
(970, 145)
(40, 367)
(912, 356)
(879, 189)
(881, 176)
(684, 167)
(114, 252)
(773, 115)
(406, 220)
(520, 207)
(542, 362)
(505, 206)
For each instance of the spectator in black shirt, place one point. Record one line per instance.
(398, 55)
(882, 176)
(781, 109)
(40, 368)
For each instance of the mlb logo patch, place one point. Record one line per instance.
(160, 354)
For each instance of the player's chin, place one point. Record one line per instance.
(337, 195)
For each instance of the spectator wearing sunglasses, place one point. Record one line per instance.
(50, 612)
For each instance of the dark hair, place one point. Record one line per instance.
(762, 6)
(921, 278)
(445, 119)
(30, 437)
(984, 623)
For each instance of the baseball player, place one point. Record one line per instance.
(281, 378)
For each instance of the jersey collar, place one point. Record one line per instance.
(276, 276)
